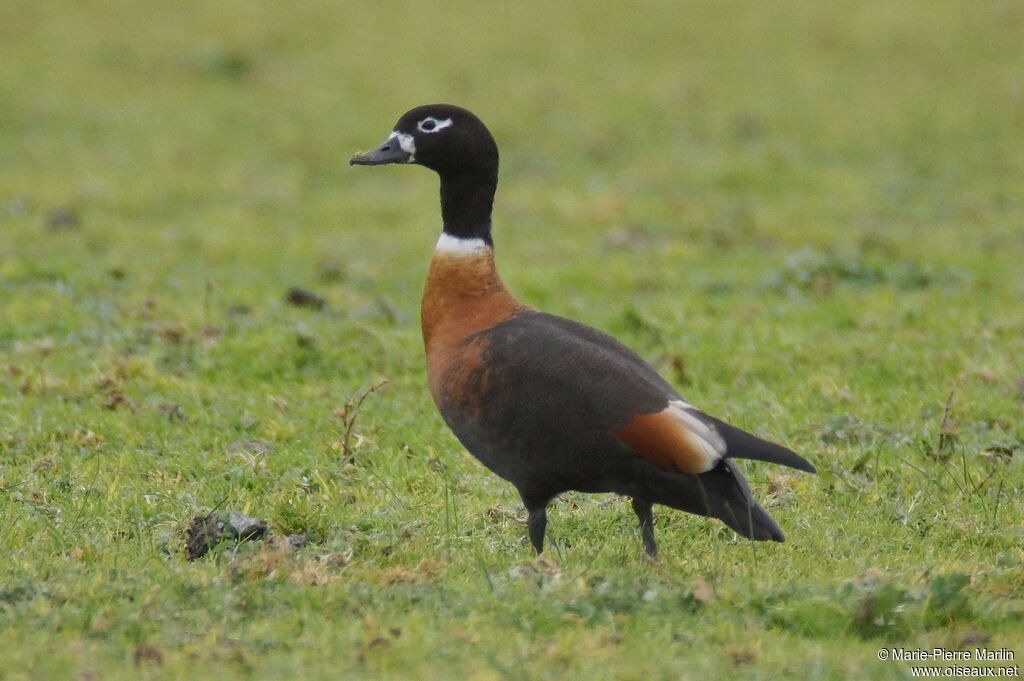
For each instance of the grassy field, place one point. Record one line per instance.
(810, 218)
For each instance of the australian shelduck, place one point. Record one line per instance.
(547, 403)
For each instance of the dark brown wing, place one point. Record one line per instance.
(545, 383)
(724, 438)
(549, 387)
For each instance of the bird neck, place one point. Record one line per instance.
(466, 202)
(463, 292)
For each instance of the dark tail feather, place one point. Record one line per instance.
(739, 444)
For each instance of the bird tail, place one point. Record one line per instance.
(739, 444)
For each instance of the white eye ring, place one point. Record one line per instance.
(431, 125)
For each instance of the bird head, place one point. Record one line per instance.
(447, 139)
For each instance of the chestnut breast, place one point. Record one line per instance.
(463, 296)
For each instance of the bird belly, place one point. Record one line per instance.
(542, 452)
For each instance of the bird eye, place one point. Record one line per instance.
(431, 124)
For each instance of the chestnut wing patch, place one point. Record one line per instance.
(674, 438)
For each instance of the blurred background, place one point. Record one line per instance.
(808, 215)
(198, 151)
(223, 129)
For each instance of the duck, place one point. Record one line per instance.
(547, 403)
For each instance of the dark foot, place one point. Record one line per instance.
(643, 512)
(536, 523)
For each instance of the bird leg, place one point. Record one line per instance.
(536, 523)
(643, 512)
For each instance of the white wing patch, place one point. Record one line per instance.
(704, 436)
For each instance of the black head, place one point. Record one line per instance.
(730, 501)
(457, 145)
(445, 138)
(723, 493)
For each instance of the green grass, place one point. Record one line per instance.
(810, 218)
